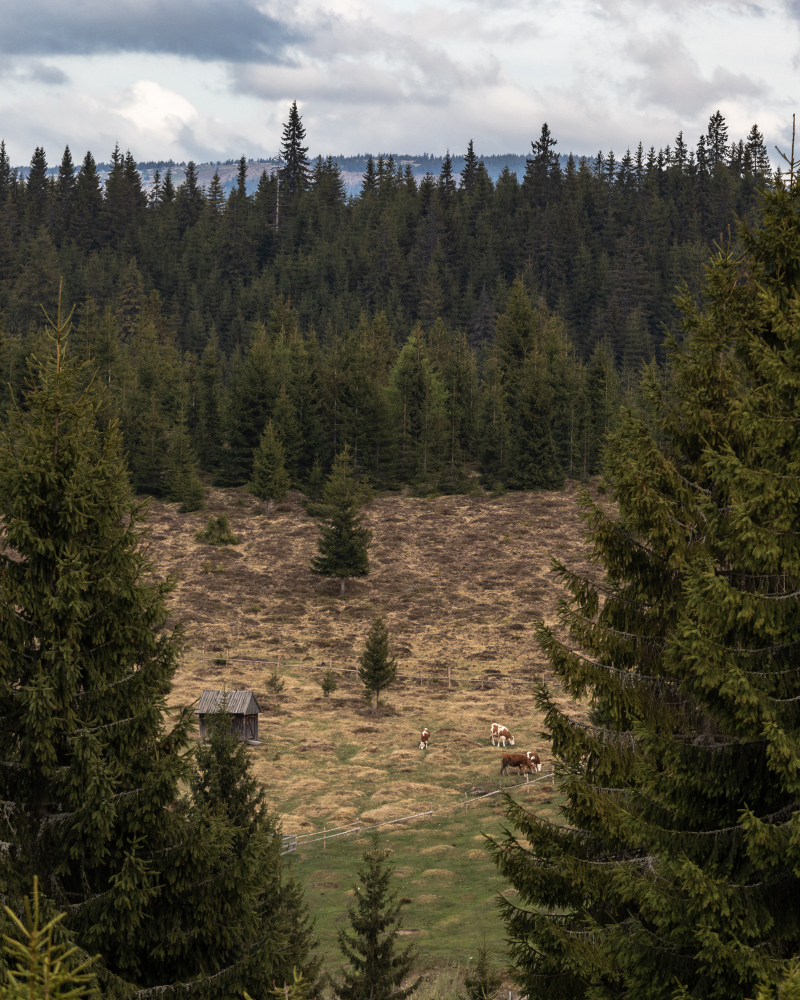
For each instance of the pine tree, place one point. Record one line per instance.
(469, 172)
(369, 183)
(183, 484)
(377, 670)
(208, 428)
(270, 480)
(38, 966)
(447, 182)
(65, 191)
(189, 197)
(483, 981)
(377, 966)
(418, 400)
(344, 542)
(225, 787)
(671, 876)
(88, 206)
(36, 191)
(5, 172)
(94, 770)
(295, 170)
(534, 460)
(215, 196)
(717, 139)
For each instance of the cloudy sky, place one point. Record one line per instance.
(211, 79)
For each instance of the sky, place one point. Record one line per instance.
(213, 79)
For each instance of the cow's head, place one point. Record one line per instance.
(511, 741)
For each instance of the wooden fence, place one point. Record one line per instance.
(304, 840)
(441, 675)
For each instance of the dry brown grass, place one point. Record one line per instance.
(460, 581)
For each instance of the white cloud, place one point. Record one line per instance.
(405, 75)
(154, 109)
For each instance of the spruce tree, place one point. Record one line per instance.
(377, 966)
(95, 771)
(344, 542)
(270, 480)
(225, 787)
(183, 485)
(675, 871)
(376, 668)
(294, 173)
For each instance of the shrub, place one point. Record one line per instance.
(217, 532)
(328, 683)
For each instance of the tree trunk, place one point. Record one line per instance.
(341, 587)
(268, 503)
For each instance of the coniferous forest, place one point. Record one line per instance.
(435, 328)
(630, 322)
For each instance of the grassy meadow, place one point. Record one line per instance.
(460, 581)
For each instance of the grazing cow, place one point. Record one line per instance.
(535, 759)
(521, 760)
(501, 734)
(425, 735)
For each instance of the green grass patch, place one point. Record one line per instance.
(441, 866)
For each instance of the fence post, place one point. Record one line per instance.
(465, 801)
(358, 827)
(324, 834)
(448, 675)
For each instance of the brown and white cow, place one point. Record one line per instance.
(521, 760)
(501, 734)
(425, 735)
(535, 759)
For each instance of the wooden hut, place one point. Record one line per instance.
(240, 705)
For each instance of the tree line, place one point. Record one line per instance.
(434, 328)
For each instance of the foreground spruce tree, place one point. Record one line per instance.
(677, 870)
(377, 966)
(376, 668)
(224, 785)
(168, 887)
(344, 542)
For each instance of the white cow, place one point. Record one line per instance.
(501, 734)
(425, 735)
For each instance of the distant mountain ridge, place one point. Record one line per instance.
(352, 168)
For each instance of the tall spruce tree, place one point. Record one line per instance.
(344, 542)
(294, 174)
(677, 870)
(94, 771)
(377, 965)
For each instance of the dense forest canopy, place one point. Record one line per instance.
(433, 325)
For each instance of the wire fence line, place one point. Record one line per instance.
(304, 840)
(448, 674)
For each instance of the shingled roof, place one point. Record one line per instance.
(237, 702)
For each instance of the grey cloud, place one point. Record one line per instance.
(630, 11)
(355, 62)
(671, 78)
(39, 72)
(235, 31)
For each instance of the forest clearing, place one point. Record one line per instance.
(327, 762)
